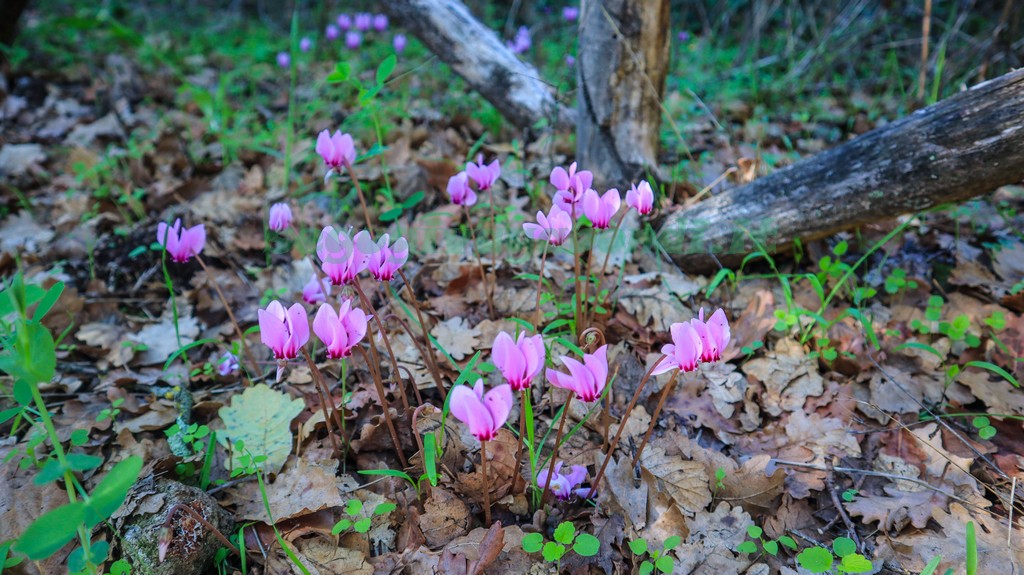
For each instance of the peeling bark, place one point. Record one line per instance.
(622, 66)
(475, 52)
(964, 146)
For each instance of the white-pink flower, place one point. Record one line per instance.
(459, 190)
(641, 198)
(601, 209)
(280, 217)
(385, 260)
(553, 228)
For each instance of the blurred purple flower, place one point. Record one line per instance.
(570, 60)
(521, 42)
(353, 39)
(570, 13)
(399, 43)
(228, 364)
(332, 33)
(363, 21)
(284, 60)
(380, 22)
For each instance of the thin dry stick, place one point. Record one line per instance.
(831, 484)
(588, 312)
(1009, 522)
(362, 200)
(412, 380)
(576, 269)
(622, 425)
(487, 486)
(429, 356)
(479, 263)
(387, 343)
(378, 383)
(540, 283)
(321, 388)
(231, 315)
(554, 450)
(654, 418)
(926, 25)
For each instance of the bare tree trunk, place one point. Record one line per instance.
(476, 53)
(964, 146)
(622, 64)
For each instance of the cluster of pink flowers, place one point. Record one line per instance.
(574, 196)
(694, 342)
(355, 26)
(483, 175)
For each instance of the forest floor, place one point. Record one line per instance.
(865, 417)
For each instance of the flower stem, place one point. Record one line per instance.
(362, 199)
(379, 384)
(524, 395)
(576, 272)
(586, 282)
(654, 417)
(387, 344)
(480, 264)
(231, 315)
(540, 283)
(622, 425)
(554, 450)
(321, 387)
(487, 486)
(611, 245)
(429, 356)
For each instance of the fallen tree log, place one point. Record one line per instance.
(964, 146)
(475, 52)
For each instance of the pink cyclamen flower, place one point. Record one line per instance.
(483, 413)
(586, 379)
(520, 360)
(459, 191)
(353, 39)
(305, 44)
(521, 42)
(399, 43)
(363, 21)
(284, 60)
(343, 258)
(714, 334)
(386, 260)
(380, 22)
(316, 290)
(344, 21)
(484, 176)
(332, 32)
(570, 187)
(641, 198)
(562, 485)
(684, 352)
(340, 330)
(337, 150)
(570, 13)
(554, 227)
(181, 244)
(284, 331)
(601, 209)
(280, 217)
(228, 364)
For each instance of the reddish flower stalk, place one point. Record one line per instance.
(362, 199)
(540, 283)
(428, 356)
(231, 316)
(558, 441)
(379, 384)
(480, 264)
(387, 344)
(487, 486)
(654, 417)
(321, 387)
(622, 425)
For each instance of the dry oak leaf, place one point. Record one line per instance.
(445, 517)
(320, 556)
(940, 462)
(713, 536)
(895, 509)
(456, 337)
(915, 549)
(685, 481)
(789, 377)
(301, 488)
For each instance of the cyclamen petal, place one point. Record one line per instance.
(587, 379)
(600, 209)
(641, 198)
(484, 414)
(385, 261)
(555, 227)
(284, 331)
(684, 352)
(340, 331)
(280, 217)
(337, 150)
(341, 257)
(181, 244)
(459, 190)
(519, 361)
(483, 176)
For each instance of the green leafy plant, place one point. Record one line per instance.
(770, 546)
(564, 538)
(658, 559)
(29, 356)
(821, 560)
(357, 519)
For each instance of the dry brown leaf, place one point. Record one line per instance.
(685, 481)
(709, 548)
(301, 488)
(788, 376)
(320, 556)
(445, 517)
(915, 549)
(456, 337)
